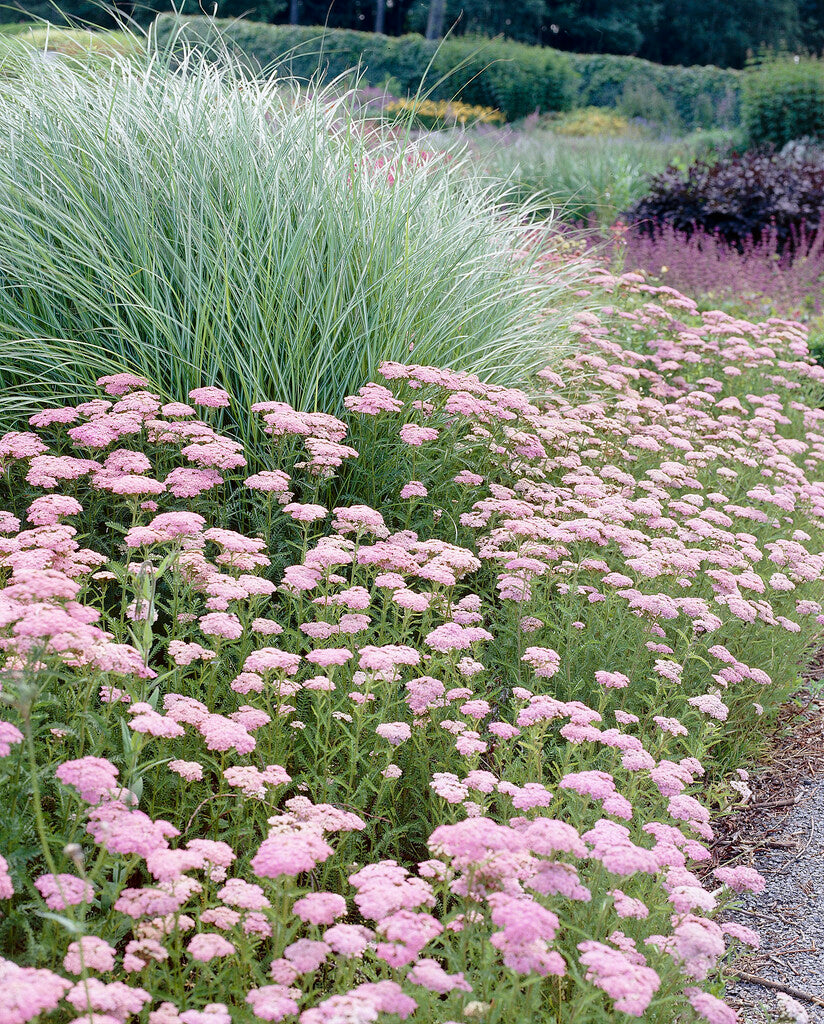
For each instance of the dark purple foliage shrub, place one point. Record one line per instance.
(704, 265)
(736, 199)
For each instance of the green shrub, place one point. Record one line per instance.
(511, 77)
(783, 99)
(697, 97)
(743, 199)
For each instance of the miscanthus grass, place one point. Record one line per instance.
(180, 223)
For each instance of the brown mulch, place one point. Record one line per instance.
(795, 755)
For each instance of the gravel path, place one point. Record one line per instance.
(789, 914)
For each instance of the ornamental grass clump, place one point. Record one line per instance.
(179, 223)
(445, 757)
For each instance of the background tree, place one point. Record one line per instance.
(811, 24)
(435, 19)
(600, 26)
(722, 32)
(523, 21)
(711, 32)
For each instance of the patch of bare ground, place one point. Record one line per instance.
(780, 832)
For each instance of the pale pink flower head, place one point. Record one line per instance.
(306, 955)
(710, 1007)
(89, 953)
(290, 853)
(320, 907)
(116, 999)
(349, 940)
(741, 879)
(450, 636)
(711, 705)
(184, 654)
(213, 1013)
(468, 478)
(46, 417)
(790, 1007)
(50, 508)
(543, 660)
(406, 933)
(188, 482)
(429, 974)
(9, 736)
(359, 519)
(394, 732)
(247, 895)
(742, 933)
(628, 982)
(222, 733)
(21, 445)
(329, 656)
(178, 524)
(611, 680)
(212, 397)
(271, 659)
(176, 410)
(121, 383)
(61, 891)
(670, 725)
(221, 624)
(413, 489)
(373, 399)
(305, 513)
(28, 992)
(191, 771)
(93, 777)
(414, 435)
(269, 481)
(209, 945)
(6, 886)
(273, 1002)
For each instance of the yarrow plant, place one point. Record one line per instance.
(298, 758)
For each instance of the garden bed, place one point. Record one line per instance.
(276, 754)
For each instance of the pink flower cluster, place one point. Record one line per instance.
(522, 675)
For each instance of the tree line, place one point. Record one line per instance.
(722, 32)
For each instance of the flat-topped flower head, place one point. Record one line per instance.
(121, 383)
(212, 397)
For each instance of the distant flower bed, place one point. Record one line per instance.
(444, 113)
(759, 273)
(591, 121)
(274, 754)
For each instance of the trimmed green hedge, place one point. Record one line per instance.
(514, 78)
(783, 99)
(696, 97)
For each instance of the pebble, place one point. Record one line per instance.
(789, 914)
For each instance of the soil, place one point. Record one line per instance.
(780, 832)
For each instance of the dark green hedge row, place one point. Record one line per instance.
(514, 78)
(696, 97)
(783, 99)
